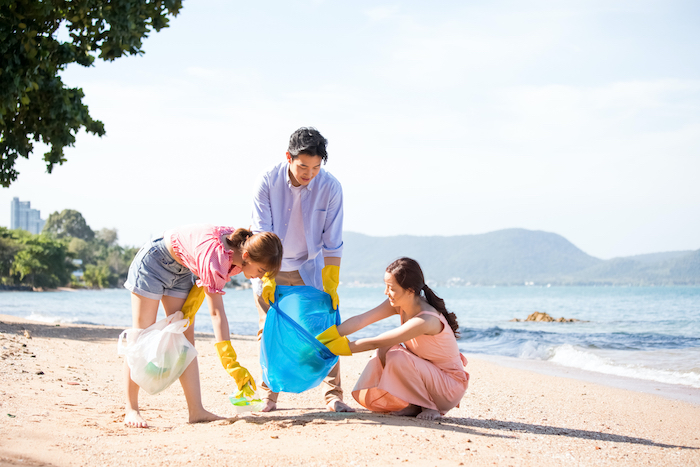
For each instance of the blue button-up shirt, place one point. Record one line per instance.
(321, 209)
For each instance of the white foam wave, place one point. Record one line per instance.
(532, 350)
(575, 357)
(49, 319)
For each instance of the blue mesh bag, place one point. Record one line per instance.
(291, 357)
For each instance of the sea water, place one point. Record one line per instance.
(647, 333)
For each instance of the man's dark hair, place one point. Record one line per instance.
(308, 141)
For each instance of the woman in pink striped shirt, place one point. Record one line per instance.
(195, 258)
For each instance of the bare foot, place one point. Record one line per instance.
(339, 406)
(133, 419)
(410, 411)
(204, 416)
(269, 406)
(429, 414)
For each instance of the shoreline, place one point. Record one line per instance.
(670, 391)
(61, 404)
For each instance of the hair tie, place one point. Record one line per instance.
(425, 286)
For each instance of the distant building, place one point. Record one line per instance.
(25, 218)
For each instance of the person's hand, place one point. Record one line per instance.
(228, 359)
(337, 344)
(246, 392)
(328, 335)
(331, 278)
(268, 291)
(193, 302)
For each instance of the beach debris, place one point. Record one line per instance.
(545, 318)
(27, 335)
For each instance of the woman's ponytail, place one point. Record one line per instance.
(439, 304)
(239, 238)
(264, 248)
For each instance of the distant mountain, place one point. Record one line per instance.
(510, 257)
(686, 266)
(658, 257)
(669, 269)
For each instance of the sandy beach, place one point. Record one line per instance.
(61, 404)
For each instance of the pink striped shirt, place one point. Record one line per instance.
(200, 248)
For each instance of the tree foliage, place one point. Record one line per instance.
(42, 262)
(97, 277)
(49, 259)
(35, 105)
(68, 223)
(108, 236)
(8, 249)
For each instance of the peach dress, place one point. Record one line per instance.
(427, 372)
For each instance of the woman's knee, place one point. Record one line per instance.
(396, 355)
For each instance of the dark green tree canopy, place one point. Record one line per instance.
(49, 259)
(8, 249)
(42, 262)
(35, 105)
(68, 223)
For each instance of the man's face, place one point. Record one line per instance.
(303, 168)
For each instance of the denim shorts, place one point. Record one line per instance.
(155, 273)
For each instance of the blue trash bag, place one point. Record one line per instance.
(291, 357)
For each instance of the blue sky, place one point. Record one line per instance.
(443, 118)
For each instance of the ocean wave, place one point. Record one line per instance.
(52, 319)
(575, 357)
(511, 341)
(654, 357)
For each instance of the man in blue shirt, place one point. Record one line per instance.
(303, 205)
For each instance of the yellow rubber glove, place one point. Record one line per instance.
(268, 291)
(331, 278)
(337, 344)
(328, 335)
(247, 392)
(193, 302)
(228, 359)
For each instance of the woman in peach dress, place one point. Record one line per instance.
(418, 370)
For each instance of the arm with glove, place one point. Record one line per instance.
(268, 288)
(330, 274)
(335, 337)
(332, 245)
(244, 380)
(193, 302)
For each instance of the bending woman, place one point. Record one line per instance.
(418, 370)
(165, 269)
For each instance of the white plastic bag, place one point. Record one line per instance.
(159, 354)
